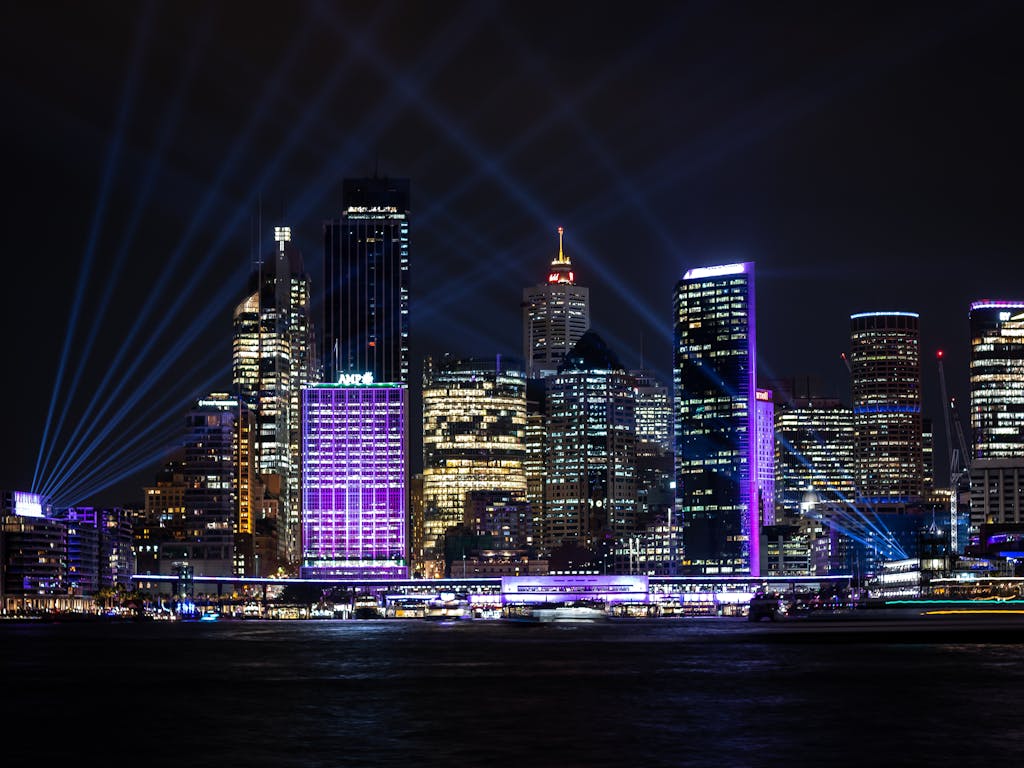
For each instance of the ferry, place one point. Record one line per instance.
(573, 611)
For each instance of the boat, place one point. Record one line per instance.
(576, 610)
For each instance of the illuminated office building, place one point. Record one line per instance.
(590, 495)
(716, 418)
(885, 368)
(653, 411)
(765, 456)
(997, 425)
(997, 379)
(366, 282)
(556, 314)
(354, 488)
(814, 452)
(272, 360)
(474, 432)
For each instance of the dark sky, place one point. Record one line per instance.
(864, 156)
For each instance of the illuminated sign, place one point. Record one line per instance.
(718, 271)
(355, 379)
(884, 314)
(764, 394)
(28, 504)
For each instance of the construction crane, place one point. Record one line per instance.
(958, 466)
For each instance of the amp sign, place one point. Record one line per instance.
(354, 379)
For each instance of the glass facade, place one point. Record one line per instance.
(716, 418)
(765, 456)
(474, 439)
(885, 367)
(366, 282)
(997, 379)
(354, 493)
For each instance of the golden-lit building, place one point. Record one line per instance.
(474, 430)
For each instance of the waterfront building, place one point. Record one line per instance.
(115, 561)
(591, 486)
(997, 379)
(556, 314)
(885, 375)
(203, 537)
(474, 433)
(273, 358)
(365, 325)
(716, 418)
(354, 489)
(535, 458)
(814, 452)
(765, 446)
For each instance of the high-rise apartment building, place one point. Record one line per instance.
(474, 438)
(715, 365)
(366, 282)
(272, 360)
(997, 379)
(556, 314)
(885, 376)
(354, 488)
(591, 488)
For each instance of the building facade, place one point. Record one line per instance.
(365, 324)
(556, 314)
(273, 358)
(885, 380)
(354, 491)
(997, 379)
(716, 418)
(591, 485)
(474, 439)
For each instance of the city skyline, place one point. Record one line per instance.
(866, 165)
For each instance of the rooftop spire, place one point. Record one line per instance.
(561, 267)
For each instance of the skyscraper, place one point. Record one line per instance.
(653, 411)
(556, 313)
(366, 282)
(885, 369)
(765, 456)
(814, 452)
(474, 432)
(591, 489)
(997, 423)
(354, 488)
(272, 360)
(715, 364)
(997, 379)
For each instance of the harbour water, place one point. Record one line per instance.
(663, 692)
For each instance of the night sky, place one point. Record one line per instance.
(864, 156)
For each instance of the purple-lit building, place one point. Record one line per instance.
(766, 456)
(354, 492)
(716, 419)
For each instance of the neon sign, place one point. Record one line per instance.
(355, 379)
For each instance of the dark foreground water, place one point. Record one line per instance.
(669, 692)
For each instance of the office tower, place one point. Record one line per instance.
(997, 379)
(504, 517)
(33, 554)
(997, 425)
(535, 459)
(115, 563)
(211, 473)
(765, 456)
(474, 422)
(366, 282)
(272, 360)
(814, 452)
(716, 418)
(590, 496)
(653, 411)
(354, 487)
(556, 314)
(885, 377)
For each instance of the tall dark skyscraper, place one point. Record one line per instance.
(885, 367)
(716, 418)
(366, 282)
